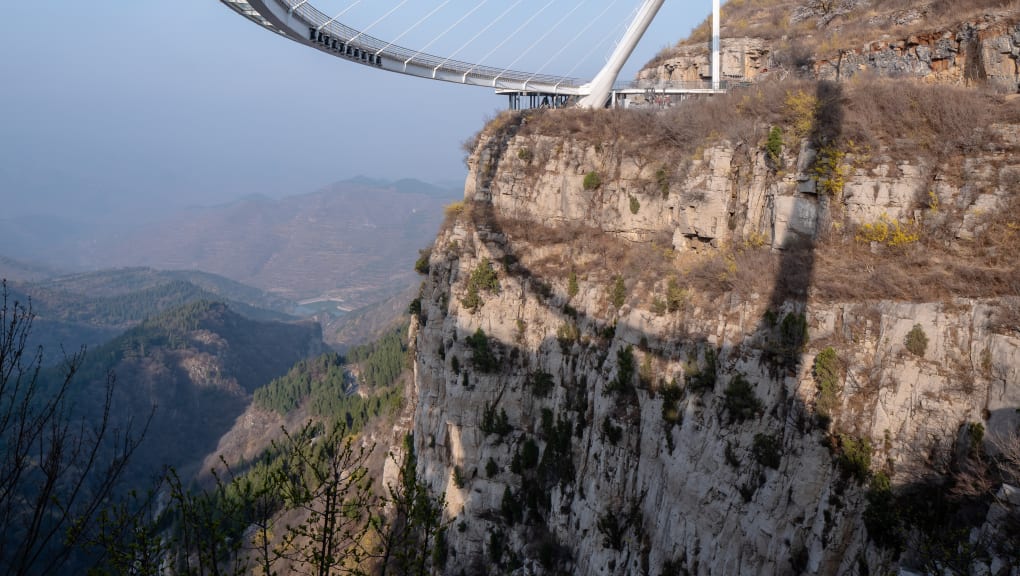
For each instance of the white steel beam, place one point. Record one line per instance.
(602, 85)
(716, 51)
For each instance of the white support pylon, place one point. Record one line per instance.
(716, 48)
(599, 89)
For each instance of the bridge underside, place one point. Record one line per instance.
(303, 23)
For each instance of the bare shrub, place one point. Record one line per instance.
(910, 118)
(1007, 318)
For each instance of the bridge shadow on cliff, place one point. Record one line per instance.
(780, 335)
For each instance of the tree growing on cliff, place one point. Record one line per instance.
(483, 277)
(410, 539)
(326, 478)
(618, 292)
(57, 473)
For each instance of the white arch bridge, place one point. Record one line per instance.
(300, 21)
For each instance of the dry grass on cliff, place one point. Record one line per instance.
(914, 121)
(821, 28)
(848, 272)
(911, 121)
(550, 252)
(938, 266)
(741, 117)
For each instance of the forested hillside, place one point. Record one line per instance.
(353, 390)
(195, 366)
(311, 500)
(89, 309)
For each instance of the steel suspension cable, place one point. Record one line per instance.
(480, 32)
(378, 20)
(413, 26)
(543, 37)
(333, 19)
(445, 32)
(511, 36)
(574, 39)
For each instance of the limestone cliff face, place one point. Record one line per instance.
(579, 427)
(984, 50)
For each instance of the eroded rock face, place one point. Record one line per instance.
(973, 52)
(982, 51)
(740, 59)
(568, 450)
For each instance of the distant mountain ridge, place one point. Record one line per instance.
(18, 271)
(91, 308)
(354, 240)
(119, 282)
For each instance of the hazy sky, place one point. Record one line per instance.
(126, 106)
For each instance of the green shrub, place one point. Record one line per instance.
(624, 371)
(731, 456)
(739, 400)
(662, 181)
(635, 205)
(645, 375)
(676, 296)
(482, 357)
(525, 154)
(472, 300)
(774, 148)
(592, 181)
(700, 379)
(458, 477)
(612, 432)
(529, 454)
(785, 347)
(495, 423)
(827, 376)
(567, 334)
(572, 287)
(421, 265)
(882, 514)
(855, 457)
(483, 277)
(541, 383)
(794, 332)
(976, 435)
(767, 450)
(618, 292)
(671, 395)
(612, 531)
(510, 508)
(414, 308)
(916, 341)
(658, 306)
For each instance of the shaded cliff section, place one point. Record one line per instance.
(617, 352)
(191, 371)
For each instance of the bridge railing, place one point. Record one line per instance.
(317, 19)
(675, 85)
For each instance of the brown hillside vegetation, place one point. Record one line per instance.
(818, 26)
(870, 122)
(775, 19)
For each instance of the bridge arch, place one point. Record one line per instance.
(300, 21)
